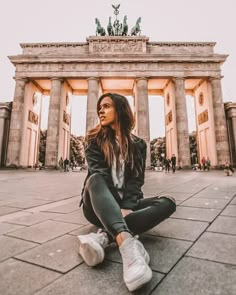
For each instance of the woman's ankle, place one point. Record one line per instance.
(122, 236)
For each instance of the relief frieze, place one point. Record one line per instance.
(203, 117)
(33, 118)
(116, 66)
(110, 47)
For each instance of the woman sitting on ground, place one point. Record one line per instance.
(112, 197)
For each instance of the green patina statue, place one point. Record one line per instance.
(100, 30)
(136, 29)
(117, 29)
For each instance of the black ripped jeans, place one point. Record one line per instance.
(101, 209)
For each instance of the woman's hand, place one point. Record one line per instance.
(125, 212)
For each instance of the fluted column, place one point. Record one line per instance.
(142, 114)
(234, 130)
(52, 143)
(222, 144)
(93, 92)
(181, 124)
(2, 125)
(17, 116)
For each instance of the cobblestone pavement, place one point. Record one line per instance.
(192, 253)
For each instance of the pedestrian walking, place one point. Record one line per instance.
(173, 163)
(61, 163)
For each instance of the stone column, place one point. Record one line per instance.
(222, 144)
(142, 114)
(181, 124)
(2, 125)
(17, 116)
(52, 143)
(234, 130)
(93, 92)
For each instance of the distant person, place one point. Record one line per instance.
(61, 164)
(208, 164)
(203, 163)
(173, 163)
(228, 169)
(167, 165)
(112, 197)
(66, 165)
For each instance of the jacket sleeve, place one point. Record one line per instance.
(97, 164)
(132, 191)
(96, 161)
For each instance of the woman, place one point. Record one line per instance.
(112, 198)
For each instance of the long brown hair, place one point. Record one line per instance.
(106, 137)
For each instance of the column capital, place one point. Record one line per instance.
(23, 79)
(57, 79)
(141, 78)
(178, 78)
(212, 78)
(93, 78)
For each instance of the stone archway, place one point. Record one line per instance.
(58, 67)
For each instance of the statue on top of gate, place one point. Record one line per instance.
(117, 28)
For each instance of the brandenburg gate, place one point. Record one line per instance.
(129, 65)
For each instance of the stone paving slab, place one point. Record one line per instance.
(180, 229)
(28, 204)
(224, 224)
(43, 232)
(233, 202)
(107, 278)
(20, 278)
(7, 210)
(214, 195)
(13, 215)
(164, 252)
(74, 217)
(5, 228)
(230, 210)
(60, 254)
(200, 214)
(178, 196)
(5, 202)
(62, 203)
(33, 218)
(11, 246)
(189, 187)
(216, 247)
(70, 207)
(187, 235)
(200, 277)
(84, 230)
(206, 203)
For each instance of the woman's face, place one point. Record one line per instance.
(107, 112)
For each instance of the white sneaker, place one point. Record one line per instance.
(91, 247)
(136, 271)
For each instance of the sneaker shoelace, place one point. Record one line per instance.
(132, 252)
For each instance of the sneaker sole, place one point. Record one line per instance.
(146, 257)
(132, 286)
(91, 252)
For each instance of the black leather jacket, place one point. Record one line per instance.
(132, 184)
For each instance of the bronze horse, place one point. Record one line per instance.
(110, 30)
(100, 30)
(136, 29)
(125, 27)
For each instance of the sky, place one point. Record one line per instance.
(29, 21)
